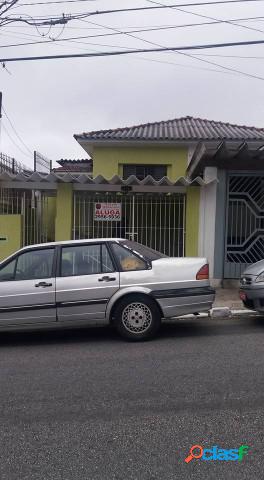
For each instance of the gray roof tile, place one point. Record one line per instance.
(185, 128)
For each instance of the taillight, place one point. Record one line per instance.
(203, 273)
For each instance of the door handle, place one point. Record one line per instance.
(43, 284)
(106, 279)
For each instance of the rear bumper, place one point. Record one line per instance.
(185, 300)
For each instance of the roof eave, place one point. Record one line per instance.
(88, 145)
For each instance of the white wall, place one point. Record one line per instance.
(206, 244)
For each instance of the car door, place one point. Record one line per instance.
(134, 270)
(87, 279)
(27, 288)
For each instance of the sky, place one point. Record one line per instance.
(47, 101)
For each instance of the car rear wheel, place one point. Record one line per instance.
(137, 317)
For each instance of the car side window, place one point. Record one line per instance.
(31, 265)
(35, 264)
(127, 260)
(85, 260)
(8, 271)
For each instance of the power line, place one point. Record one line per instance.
(116, 33)
(18, 136)
(229, 69)
(66, 18)
(206, 16)
(148, 59)
(55, 2)
(16, 145)
(135, 50)
(186, 66)
(250, 57)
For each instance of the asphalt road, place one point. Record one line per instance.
(87, 405)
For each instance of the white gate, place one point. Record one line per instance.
(38, 223)
(156, 220)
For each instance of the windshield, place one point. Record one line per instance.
(146, 252)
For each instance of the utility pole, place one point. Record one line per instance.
(1, 96)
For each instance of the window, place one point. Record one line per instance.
(8, 271)
(147, 252)
(141, 171)
(127, 260)
(85, 260)
(31, 265)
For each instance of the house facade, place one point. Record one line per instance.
(186, 187)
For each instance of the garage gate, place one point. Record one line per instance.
(156, 220)
(245, 223)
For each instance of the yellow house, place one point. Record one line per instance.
(174, 186)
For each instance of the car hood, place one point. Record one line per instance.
(254, 269)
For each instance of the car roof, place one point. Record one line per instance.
(70, 242)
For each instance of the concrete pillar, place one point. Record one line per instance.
(64, 209)
(192, 221)
(10, 234)
(207, 217)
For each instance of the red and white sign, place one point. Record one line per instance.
(107, 211)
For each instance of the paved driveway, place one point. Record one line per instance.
(86, 405)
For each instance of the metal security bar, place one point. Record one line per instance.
(157, 221)
(41, 163)
(245, 223)
(38, 222)
(10, 165)
(38, 225)
(10, 201)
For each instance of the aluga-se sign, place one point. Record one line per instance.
(107, 211)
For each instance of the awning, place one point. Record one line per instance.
(230, 155)
(38, 181)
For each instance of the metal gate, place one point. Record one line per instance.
(157, 221)
(245, 223)
(37, 210)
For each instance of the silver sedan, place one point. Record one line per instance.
(75, 283)
(251, 290)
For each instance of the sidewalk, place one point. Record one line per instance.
(228, 297)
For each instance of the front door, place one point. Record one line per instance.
(85, 283)
(27, 288)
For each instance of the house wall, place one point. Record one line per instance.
(220, 225)
(64, 204)
(109, 161)
(11, 228)
(192, 221)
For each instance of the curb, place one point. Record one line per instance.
(221, 312)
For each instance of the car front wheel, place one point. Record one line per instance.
(137, 317)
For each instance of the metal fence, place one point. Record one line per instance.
(41, 163)
(35, 208)
(156, 220)
(245, 223)
(10, 165)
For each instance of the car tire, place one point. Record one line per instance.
(137, 317)
(248, 304)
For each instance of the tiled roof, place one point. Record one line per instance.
(73, 168)
(80, 165)
(79, 161)
(184, 129)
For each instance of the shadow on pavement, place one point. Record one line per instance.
(176, 328)
(212, 327)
